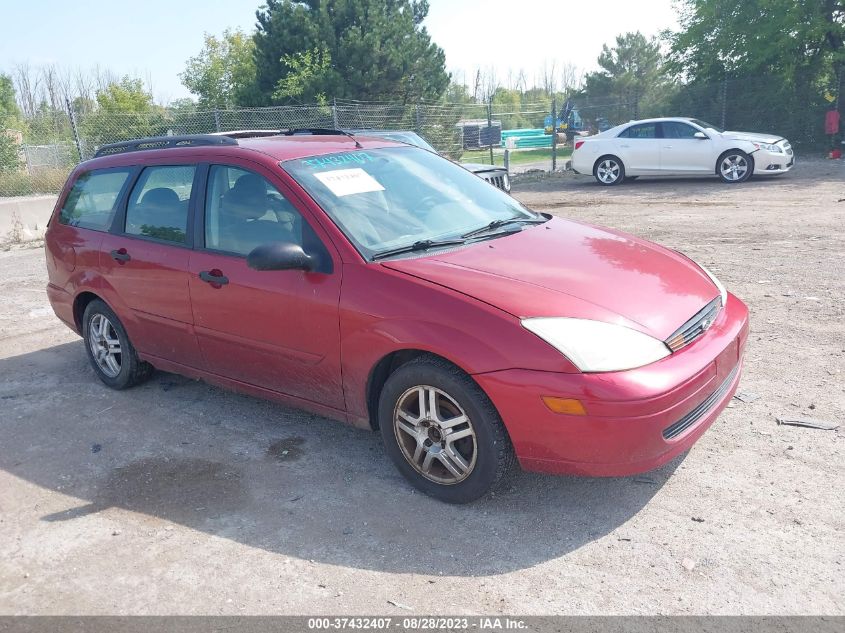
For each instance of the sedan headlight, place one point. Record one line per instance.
(596, 345)
(774, 149)
(723, 293)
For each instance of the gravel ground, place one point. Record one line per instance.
(177, 497)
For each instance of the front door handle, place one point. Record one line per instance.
(214, 277)
(120, 255)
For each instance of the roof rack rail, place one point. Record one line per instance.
(162, 142)
(248, 133)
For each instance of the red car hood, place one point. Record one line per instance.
(569, 269)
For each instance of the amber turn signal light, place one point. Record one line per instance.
(569, 406)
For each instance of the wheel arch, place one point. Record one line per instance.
(80, 303)
(382, 370)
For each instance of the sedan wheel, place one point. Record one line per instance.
(435, 434)
(735, 167)
(609, 171)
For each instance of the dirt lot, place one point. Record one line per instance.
(177, 497)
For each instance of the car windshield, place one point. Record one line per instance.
(390, 198)
(706, 125)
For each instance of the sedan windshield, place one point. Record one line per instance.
(390, 199)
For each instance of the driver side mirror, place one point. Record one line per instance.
(701, 136)
(280, 256)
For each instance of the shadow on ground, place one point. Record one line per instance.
(275, 478)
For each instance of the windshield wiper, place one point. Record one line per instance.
(420, 245)
(495, 224)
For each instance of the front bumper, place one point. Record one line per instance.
(630, 414)
(766, 162)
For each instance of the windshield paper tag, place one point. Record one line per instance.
(345, 182)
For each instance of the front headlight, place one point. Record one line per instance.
(774, 149)
(596, 345)
(722, 291)
(507, 182)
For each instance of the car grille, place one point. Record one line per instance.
(674, 430)
(695, 327)
(497, 181)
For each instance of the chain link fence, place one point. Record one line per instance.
(42, 154)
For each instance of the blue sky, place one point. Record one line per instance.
(153, 38)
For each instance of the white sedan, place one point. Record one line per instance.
(679, 147)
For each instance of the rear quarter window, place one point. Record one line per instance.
(92, 199)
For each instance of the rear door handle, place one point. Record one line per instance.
(120, 255)
(214, 277)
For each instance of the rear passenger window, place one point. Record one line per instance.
(90, 203)
(158, 205)
(643, 130)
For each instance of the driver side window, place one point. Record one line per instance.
(243, 210)
(675, 129)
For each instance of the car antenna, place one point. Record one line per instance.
(352, 136)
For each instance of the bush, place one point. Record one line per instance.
(49, 180)
(15, 183)
(20, 183)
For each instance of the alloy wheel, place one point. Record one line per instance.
(105, 345)
(435, 434)
(733, 167)
(608, 171)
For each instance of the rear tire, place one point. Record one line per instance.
(734, 166)
(109, 349)
(423, 404)
(609, 171)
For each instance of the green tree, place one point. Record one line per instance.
(9, 113)
(507, 105)
(358, 49)
(633, 79)
(457, 93)
(788, 38)
(740, 58)
(8, 105)
(222, 75)
(125, 110)
(307, 74)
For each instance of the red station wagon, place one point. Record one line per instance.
(384, 286)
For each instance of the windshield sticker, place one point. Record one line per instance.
(345, 182)
(338, 160)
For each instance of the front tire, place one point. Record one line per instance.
(109, 349)
(609, 171)
(734, 166)
(442, 432)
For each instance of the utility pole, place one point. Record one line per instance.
(74, 128)
(490, 126)
(554, 134)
